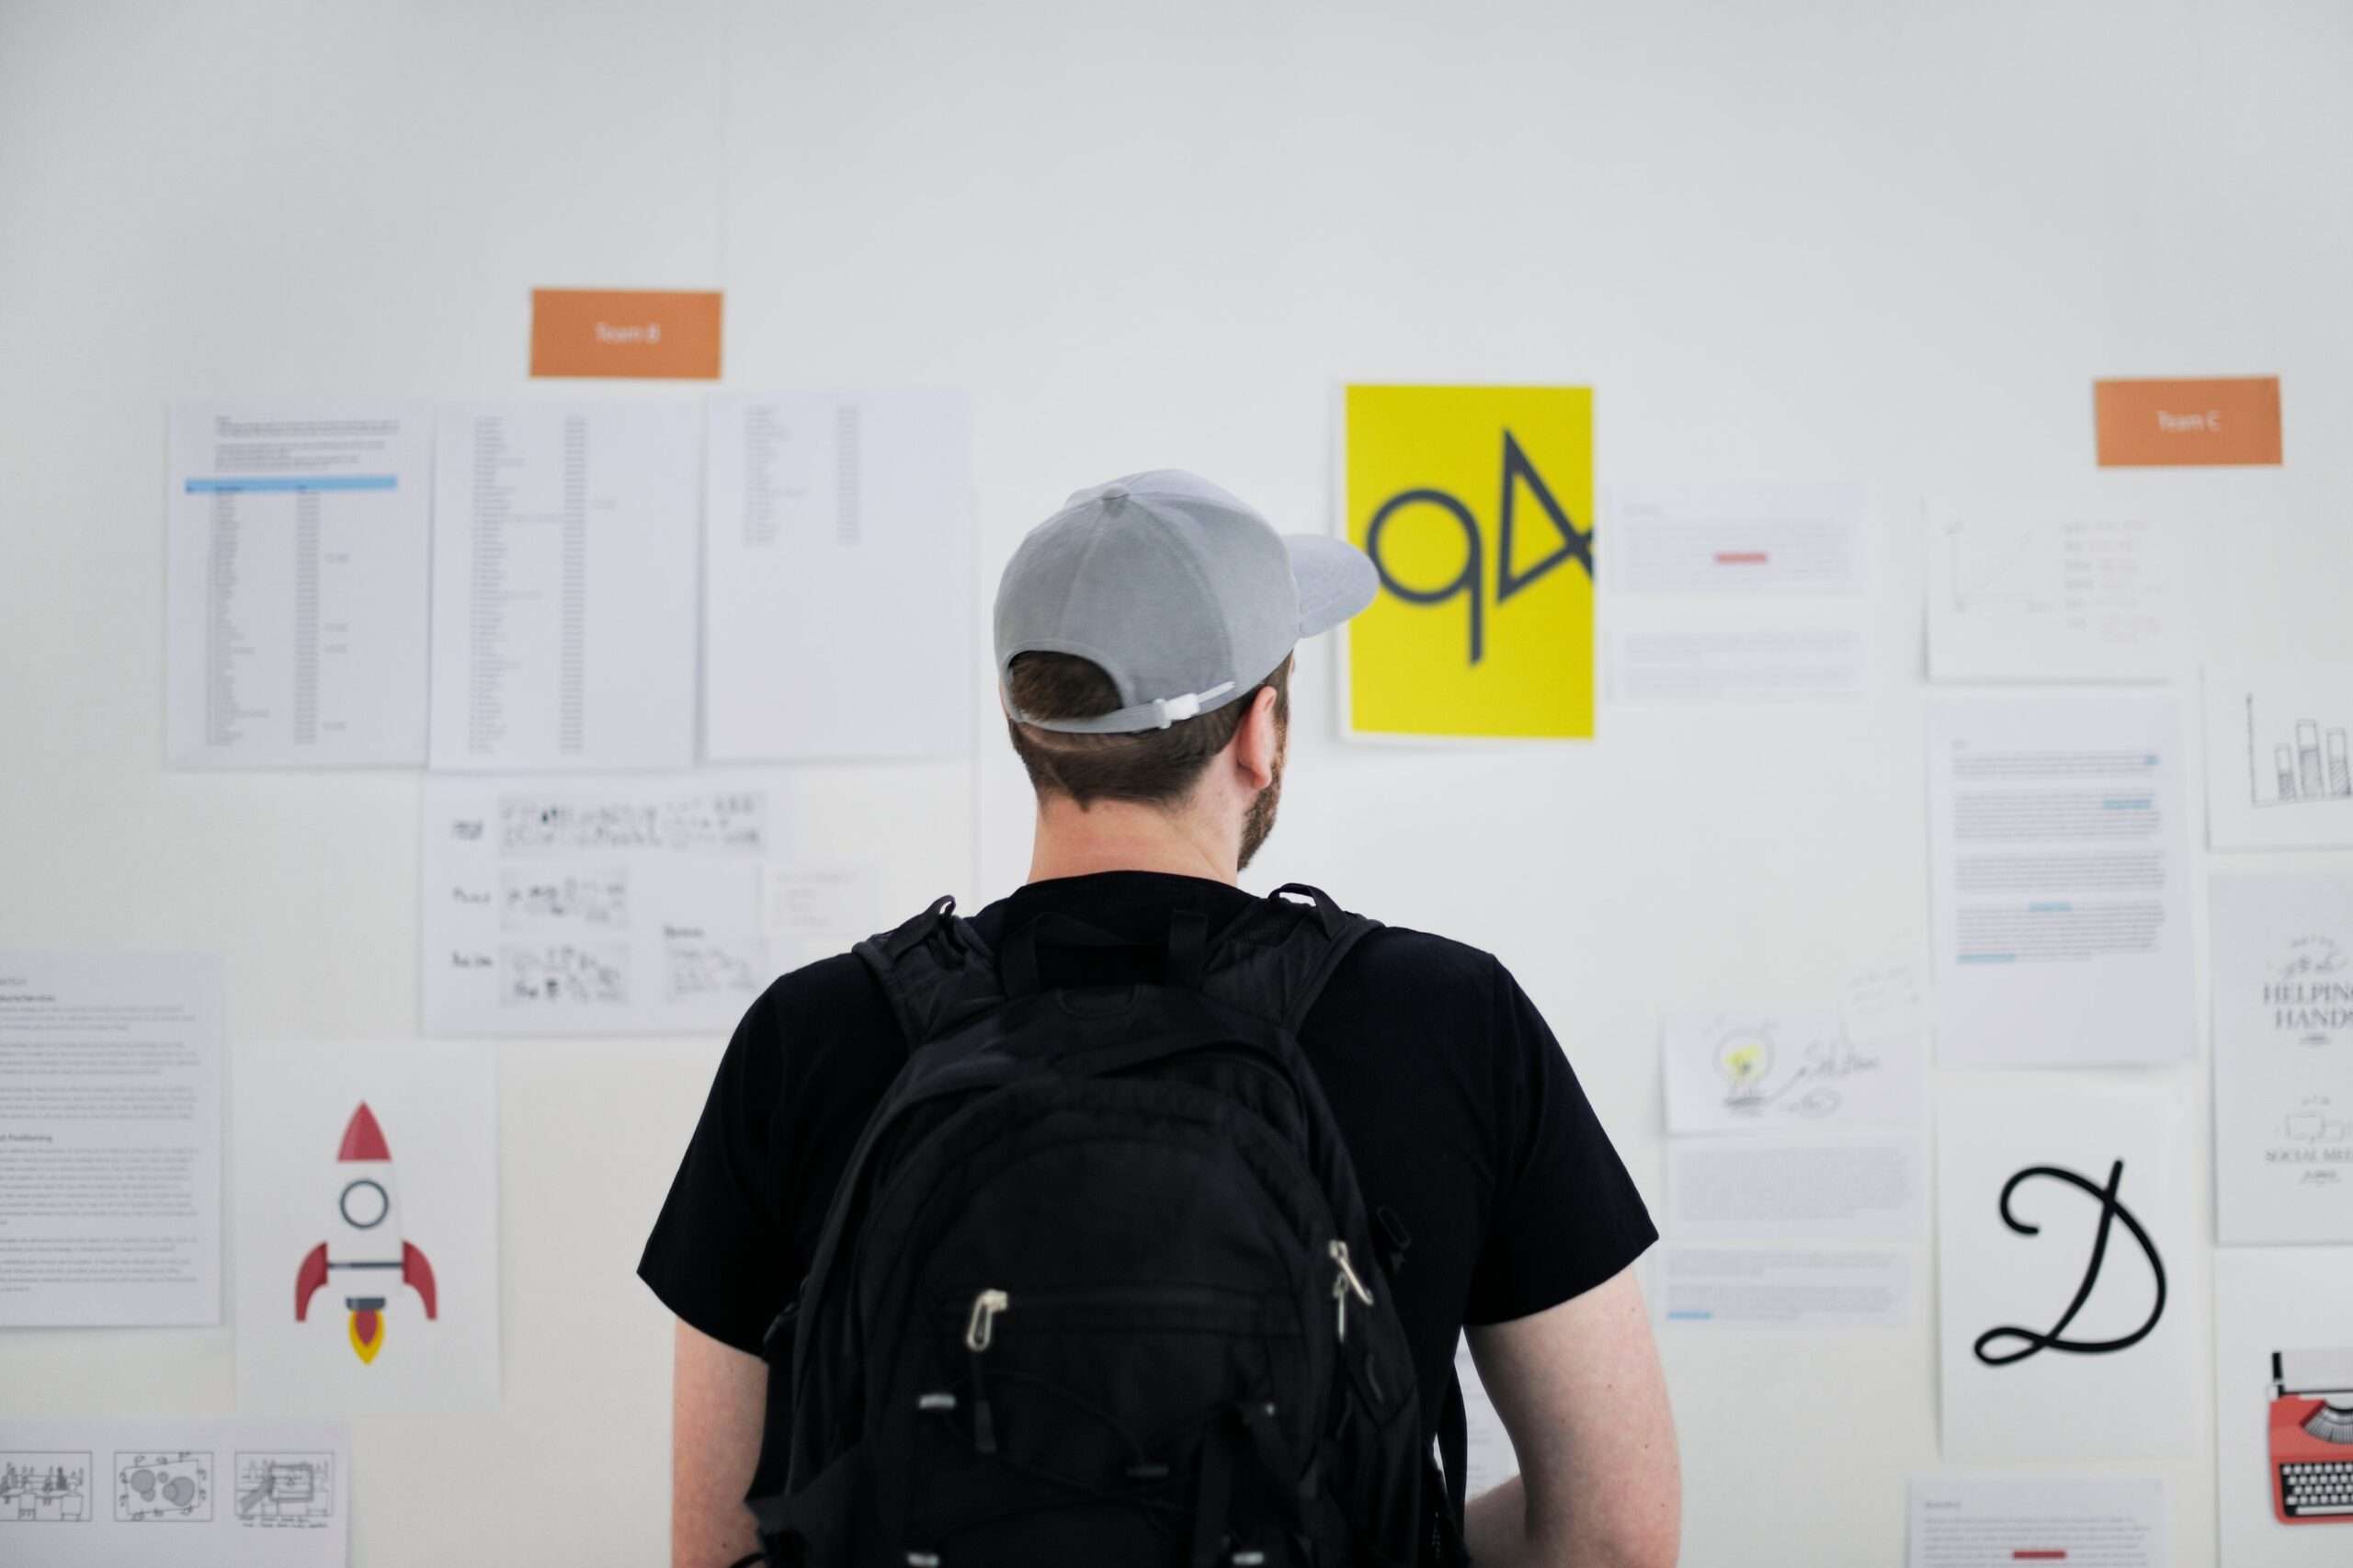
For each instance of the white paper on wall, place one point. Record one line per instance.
(175, 1494)
(620, 905)
(367, 1184)
(2030, 591)
(2062, 905)
(839, 576)
(109, 1139)
(2002, 1521)
(2283, 1405)
(2283, 1058)
(565, 538)
(2049, 1190)
(299, 543)
(1763, 1069)
(1792, 1188)
(2279, 761)
(1737, 592)
(1750, 1289)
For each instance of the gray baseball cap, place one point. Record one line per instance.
(1184, 595)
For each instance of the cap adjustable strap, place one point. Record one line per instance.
(1157, 714)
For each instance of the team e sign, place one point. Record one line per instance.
(1476, 506)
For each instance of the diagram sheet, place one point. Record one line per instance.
(600, 906)
(2028, 591)
(109, 1139)
(1764, 1068)
(2003, 1521)
(175, 1494)
(2283, 1405)
(2279, 771)
(300, 536)
(367, 1227)
(839, 576)
(2068, 1321)
(2060, 859)
(2283, 1058)
(564, 541)
(1737, 592)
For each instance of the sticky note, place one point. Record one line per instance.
(661, 335)
(2232, 420)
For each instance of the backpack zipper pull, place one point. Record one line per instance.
(1344, 1285)
(980, 1329)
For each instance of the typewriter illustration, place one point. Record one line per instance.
(2311, 1437)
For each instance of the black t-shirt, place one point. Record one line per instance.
(1458, 1107)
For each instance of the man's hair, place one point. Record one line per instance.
(1154, 767)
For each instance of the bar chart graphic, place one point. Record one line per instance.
(2297, 760)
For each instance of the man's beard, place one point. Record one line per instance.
(1260, 821)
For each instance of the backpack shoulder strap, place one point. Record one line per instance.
(935, 971)
(1275, 959)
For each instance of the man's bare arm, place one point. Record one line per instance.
(1579, 1390)
(717, 1395)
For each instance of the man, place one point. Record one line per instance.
(1143, 643)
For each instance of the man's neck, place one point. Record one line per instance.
(1120, 835)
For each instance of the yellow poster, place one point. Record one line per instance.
(1476, 506)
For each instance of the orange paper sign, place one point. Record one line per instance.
(2154, 423)
(668, 334)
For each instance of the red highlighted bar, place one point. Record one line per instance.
(1740, 558)
(2043, 1555)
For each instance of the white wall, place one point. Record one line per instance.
(1867, 242)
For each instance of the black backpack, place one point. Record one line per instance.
(1097, 1285)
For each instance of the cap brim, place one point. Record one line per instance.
(1335, 580)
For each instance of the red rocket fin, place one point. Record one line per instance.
(362, 1139)
(307, 1278)
(418, 1275)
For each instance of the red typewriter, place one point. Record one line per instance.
(2311, 1437)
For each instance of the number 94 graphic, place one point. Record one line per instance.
(1576, 544)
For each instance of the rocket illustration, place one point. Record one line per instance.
(365, 1253)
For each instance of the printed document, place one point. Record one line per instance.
(2283, 1058)
(299, 536)
(2029, 594)
(1787, 1188)
(1784, 1287)
(564, 542)
(179, 1492)
(2059, 853)
(109, 1139)
(1737, 592)
(599, 906)
(2279, 765)
(839, 576)
(2008, 1521)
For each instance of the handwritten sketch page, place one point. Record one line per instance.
(2283, 1404)
(2004, 1520)
(599, 906)
(366, 1183)
(2283, 1058)
(565, 538)
(2027, 590)
(1763, 1069)
(2278, 763)
(175, 1494)
(1737, 592)
(839, 576)
(109, 1139)
(2068, 1317)
(2059, 853)
(299, 538)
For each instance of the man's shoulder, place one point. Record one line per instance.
(1400, 963)
(818, 1002)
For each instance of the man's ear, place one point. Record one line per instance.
(1257, 742)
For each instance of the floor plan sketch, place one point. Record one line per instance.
(169, 1486)
(280, 1491)
(45, 1488)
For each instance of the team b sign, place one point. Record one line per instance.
(1476, 506)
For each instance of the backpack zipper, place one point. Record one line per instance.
(1344, 1285)
(980, 1329)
